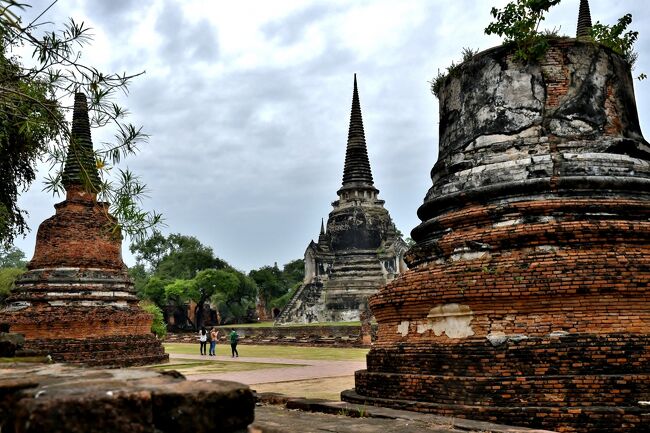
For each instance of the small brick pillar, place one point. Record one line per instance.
(76, 302)
(527, 301)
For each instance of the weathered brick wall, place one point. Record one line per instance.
(335, 336)
(76, 301)
(527, 300)
(78, 235)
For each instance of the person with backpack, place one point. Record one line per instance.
(234, 339)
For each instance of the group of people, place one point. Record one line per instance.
(212, 336)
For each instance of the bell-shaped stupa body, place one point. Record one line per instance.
(76, 302)
(526, 301)
(358, 252)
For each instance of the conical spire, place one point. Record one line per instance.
(584, 20)
(356, 172)
(322, 227)
(80, 166)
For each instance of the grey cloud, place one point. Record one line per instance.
(184, 41)
(291, 28)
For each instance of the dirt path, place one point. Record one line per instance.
(304, 369)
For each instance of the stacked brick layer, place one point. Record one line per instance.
(527, 300)
(76, 301)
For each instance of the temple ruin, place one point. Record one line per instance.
(526, 301)
(76, 302)
(359, 250)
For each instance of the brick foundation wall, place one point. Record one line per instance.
(334, 336)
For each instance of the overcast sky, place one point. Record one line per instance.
(248, 103)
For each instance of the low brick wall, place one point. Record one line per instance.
(334, 336)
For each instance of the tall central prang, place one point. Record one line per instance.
(359, 252)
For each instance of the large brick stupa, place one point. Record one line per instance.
(527, 301)
(76, 302)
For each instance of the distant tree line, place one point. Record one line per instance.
(178, 270)
(175, 272)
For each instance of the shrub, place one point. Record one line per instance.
(158, 326)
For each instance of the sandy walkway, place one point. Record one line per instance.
(304, 369)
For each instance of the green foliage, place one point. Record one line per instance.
(158, 325)
(7, 278)
(175, 257)
(154, 290)
(616, 38)
(179, 292)
(140, 277)
(452, 71)
(518, 22)
(12, 257)
(34, 93)
(234, 297)
(294, 271)
(277, 286)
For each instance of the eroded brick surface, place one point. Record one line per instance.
(66, 399)
(527, 299)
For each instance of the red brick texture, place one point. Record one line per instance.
(76, 302)
(527, 300)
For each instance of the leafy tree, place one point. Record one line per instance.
(150, 251)
(140, 276)
(33, 125)
(233, 303)
(12, 257)
(177, 256)
(208, 283)
(178, 294)
(276, 287)
(154, 290)
(294, 271)
(519, 22)
(270, 283)
(616, 38)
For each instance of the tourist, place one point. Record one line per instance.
(203, 340)
(214, 334)
(234, 339)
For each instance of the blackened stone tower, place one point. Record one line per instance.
(76, 302)
(360, 250)
(526, 300)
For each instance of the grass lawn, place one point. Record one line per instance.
(288, 325)
(194, 366)
(273, 351)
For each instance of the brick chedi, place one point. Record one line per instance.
(527, 300)
(358, 252)
(76, 301)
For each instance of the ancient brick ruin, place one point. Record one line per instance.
(76, 301)
(360, 250)
(527, 299)
(37, 398)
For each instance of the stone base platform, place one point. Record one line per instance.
(540, 382)
(58, 399)
(564, 419)
(116, 351)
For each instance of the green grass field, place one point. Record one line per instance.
(272, 351)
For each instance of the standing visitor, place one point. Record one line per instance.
(214, 335)
(203, 340)
(234, 339)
